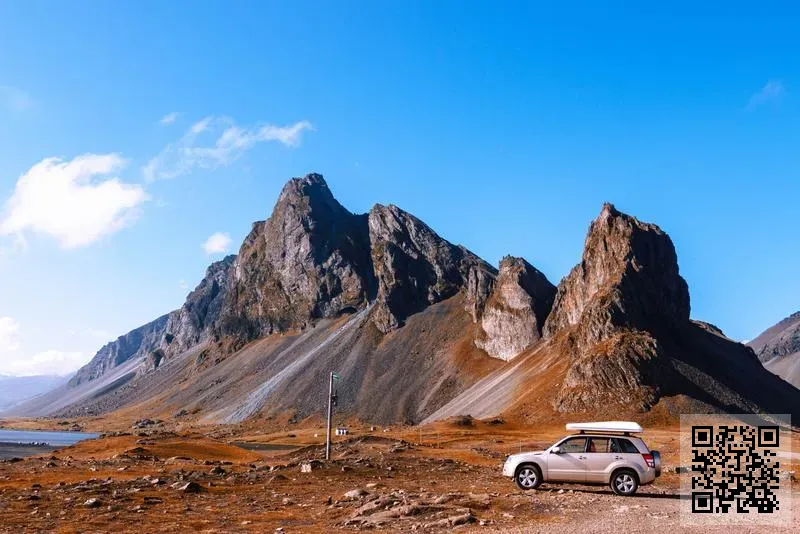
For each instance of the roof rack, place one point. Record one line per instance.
(623, 427)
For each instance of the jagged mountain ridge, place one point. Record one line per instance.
(415, 324)
(309, 263)
(778, 348)
(619, 340)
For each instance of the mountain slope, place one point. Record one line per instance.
(778, 348)
(419, 329)
(313, 286)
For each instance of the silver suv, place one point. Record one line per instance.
(592, 457)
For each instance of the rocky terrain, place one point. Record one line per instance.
(778, 348)
(156, 477)
(419, 329)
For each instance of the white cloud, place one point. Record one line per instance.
(772, 92)
(66, 200)
(169, 118)
(217, 243)
(14, 361)
(183, 285)
(230, 141)
(15, 99)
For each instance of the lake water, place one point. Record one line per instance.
(54, 439)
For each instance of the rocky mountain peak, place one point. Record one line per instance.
(414, 267)
(309, 260)
(624, 296)
(516, 309)
(628, 276)
(310, 190)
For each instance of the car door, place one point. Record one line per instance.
(624, 450)
(569, 464)
(598, 457)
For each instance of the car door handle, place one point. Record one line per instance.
(581, 457)
(618, 457)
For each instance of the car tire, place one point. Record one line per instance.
(624, 482)
(528, 476)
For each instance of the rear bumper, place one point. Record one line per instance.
(648, 476)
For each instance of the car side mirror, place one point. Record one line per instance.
(555, 450)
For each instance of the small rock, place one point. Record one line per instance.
(355, 494)
(189, 487)
(93, 502)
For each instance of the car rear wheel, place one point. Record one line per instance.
(624, 482)
(528, 476)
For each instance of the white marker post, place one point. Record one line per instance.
(330, 415)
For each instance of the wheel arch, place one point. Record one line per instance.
(534, 463)
(625, 468)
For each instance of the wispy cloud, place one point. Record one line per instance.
(771, 93)
(215, 142)
(169, 118)
(76, 201)
(15, 99)
(217, 243)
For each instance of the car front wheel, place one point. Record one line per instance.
(528, 477)
(624, 482)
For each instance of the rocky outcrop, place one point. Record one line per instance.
(612, 308)
(309, 260)
(516, 309)
(195, 321)
(778, 341)
(628, 277)
(170, 334)
(415, 268)
(778, 348)
(134, 344)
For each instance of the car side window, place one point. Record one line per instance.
(573, 445)
(623, 445)
(598, 445)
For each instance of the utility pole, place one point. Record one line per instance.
(331, 401)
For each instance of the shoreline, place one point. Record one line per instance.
(23, 450)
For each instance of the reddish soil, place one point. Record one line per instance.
(434, 478)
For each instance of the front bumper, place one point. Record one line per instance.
(508, 468)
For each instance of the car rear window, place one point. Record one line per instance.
(623, 445)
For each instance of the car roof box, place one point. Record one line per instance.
(624, 427)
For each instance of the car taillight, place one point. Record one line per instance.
(649, 460)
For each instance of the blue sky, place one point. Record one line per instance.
(504, 127)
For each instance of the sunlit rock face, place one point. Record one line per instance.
(516, 309)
